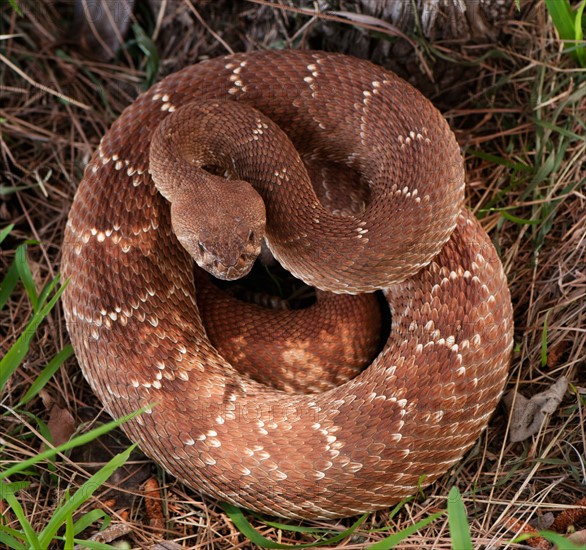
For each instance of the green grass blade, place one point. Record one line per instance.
(549, 211)
(5, 232)
(64, 512)
(24, 272)
(396, 538)
(562, 17)
(149, 49)
(399, 506)
(579, 35)
(560, 541)
(515, 219)
(9, 538)
(76, 442)
(458, 520)
(569, 26)
(14, 487)
(519, 166)
(243, 525)
(546, 167)
(91, 517)
(314, 531)
(15, 7)
(291, 528)
(93, 545)
(49, 287)
(29, 532)
(11, 361)
(8, 284)
(46, 374)
(69, 531)
(6, 191)
(554, 128)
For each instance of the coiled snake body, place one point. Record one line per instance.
(134, 322)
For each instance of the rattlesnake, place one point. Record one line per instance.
(131, 310)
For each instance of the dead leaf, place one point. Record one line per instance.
(545, 521)
(111, 533)
(527, 415)
(61, 425)
(166, 545)
(579, 537)
(555, 353)
(362, 19)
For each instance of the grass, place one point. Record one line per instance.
(24, 471)
(67, 515)
(570, 26)
(63, 516)
(520, 121)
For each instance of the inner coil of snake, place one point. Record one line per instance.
(357, 184)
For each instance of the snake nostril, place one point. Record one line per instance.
(250, 236)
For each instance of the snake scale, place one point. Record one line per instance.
(131, 306)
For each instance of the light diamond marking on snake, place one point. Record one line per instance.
(310, 80)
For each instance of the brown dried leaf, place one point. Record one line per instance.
(579, 537)
(61, 425)
(166, 545)
(555, 354)
(362, 19)
(527, 415)
(111, 533)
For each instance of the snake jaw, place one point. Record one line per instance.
(226, 267)
(223, 262)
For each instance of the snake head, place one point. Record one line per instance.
(224, 233)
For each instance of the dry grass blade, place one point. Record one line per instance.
(361, 20)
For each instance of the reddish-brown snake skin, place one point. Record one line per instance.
(132, 316)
